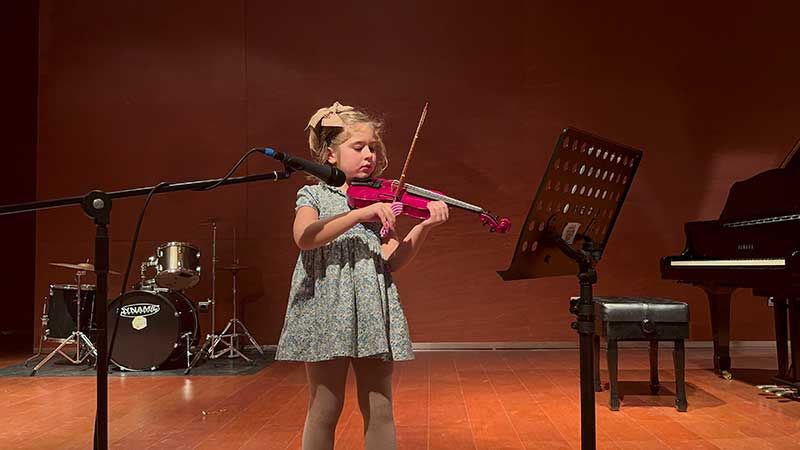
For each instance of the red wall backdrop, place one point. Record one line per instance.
(18, 181)
(132, 94)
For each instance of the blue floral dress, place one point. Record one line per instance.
(343, 301)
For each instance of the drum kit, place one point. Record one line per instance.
(158, 324)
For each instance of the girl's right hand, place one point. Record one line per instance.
(378, 212)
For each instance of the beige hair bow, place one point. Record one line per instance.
(329, 117)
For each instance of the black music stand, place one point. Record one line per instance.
(570, 222)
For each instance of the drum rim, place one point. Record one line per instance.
(191, 281)
(153, 287)
(178, 244)
(134, 291)
(177, 270)
(74, 287)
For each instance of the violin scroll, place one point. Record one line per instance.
(500, 225)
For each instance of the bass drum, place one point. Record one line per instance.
(152, 329)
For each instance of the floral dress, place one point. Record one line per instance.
(343, 301)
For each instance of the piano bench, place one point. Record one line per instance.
(641, 319)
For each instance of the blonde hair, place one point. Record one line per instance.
(320, 137)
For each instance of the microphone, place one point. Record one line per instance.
(329, 174)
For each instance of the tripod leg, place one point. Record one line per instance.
(53, 353)
(219, 339)
(250, 336)
(236, 353)
(91, 349)
(255, 344)
(199, 354)
(38, 352)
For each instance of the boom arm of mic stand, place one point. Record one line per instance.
(97, 205)
(138, 192)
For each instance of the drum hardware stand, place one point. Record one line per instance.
(231, 346)
(97, 205)
(144, 282)
(188, 336)
(44, 331)
(212, 338)
(214, 262)
(77, 337)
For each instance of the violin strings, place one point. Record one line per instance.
(436, 196)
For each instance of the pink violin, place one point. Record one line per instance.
(414, 201)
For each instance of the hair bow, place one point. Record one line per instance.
(329, 117)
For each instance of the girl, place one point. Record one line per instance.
(343, 304)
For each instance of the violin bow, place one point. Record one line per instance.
(402, 181)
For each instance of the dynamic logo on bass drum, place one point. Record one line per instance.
(139, 310)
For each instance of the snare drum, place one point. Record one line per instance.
(177, 265)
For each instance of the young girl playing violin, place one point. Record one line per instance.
(343, 304)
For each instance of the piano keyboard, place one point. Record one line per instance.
(768, 262)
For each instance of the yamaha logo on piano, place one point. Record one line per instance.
(745, 246)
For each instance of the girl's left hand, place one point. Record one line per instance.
(439, 214)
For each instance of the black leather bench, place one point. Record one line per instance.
(641, 319)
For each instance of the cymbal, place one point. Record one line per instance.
(80, 266)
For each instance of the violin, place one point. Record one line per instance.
(413, 200)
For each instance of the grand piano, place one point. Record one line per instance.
(754, 244)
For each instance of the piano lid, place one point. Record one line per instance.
(772, 193)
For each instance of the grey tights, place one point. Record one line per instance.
(326, 384)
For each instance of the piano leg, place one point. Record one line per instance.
(781, 336)
(719, 301)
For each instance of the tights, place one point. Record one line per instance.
(326, 384)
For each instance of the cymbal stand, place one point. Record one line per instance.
(213, 281)
(231, 346)
(77, 337)
(207, 350)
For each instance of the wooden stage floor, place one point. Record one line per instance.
(443, 400)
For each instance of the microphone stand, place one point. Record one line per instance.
(97, 205)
